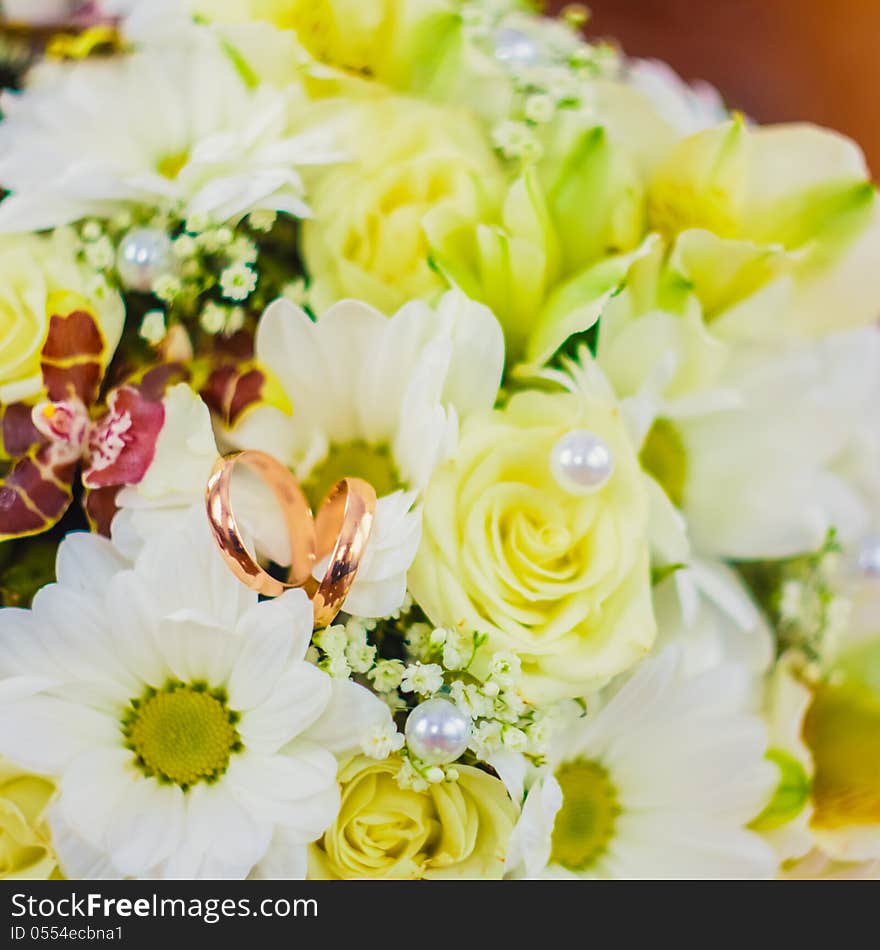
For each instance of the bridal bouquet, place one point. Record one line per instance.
(432, 445)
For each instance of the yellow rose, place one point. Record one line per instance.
(366, 239)
(451, 830)
(25, 848)
(560, 578)
(36, 273)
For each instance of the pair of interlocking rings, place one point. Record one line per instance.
(340, 529)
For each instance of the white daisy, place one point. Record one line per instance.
(787, 436)
(658, 783)
(188, 735)
(176, 126)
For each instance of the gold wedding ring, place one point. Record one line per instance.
(341, 531)
(227, 534)
(343, 527)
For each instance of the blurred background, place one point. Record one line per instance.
(776, 60)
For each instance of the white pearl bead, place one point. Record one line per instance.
(869, 556)
(515, 47)
(581, 462)
(144, 254)
(437, 731)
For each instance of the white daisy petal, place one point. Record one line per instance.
(94, 784)
(273, 632)
(78, 860)
(87, 563)
(44, 733)
(146, 826)
(298, 699)
(352, 713)
(297, 789)
(286, 859)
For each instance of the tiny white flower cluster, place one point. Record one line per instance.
(484, 685)
(204, 258)
(550, 66)
(806, 599)
(346, 650)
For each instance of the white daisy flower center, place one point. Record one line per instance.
(585, 823)
(182, 734)
(357, 459)
(664, 456)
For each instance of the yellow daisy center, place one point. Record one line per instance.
(842, 729)
(182, 734)
(172, 165)
(585, 823)
(373, 463)
(664, 456)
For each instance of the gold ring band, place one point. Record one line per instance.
(297, 517)
(341, 531)
(342, 526)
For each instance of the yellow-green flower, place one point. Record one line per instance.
(544, 264)
(366, 239)
(559, 578)
(842, 731)
(390, 40)
(450, 830)
(740, 194)
(36, 274)
(25, 846)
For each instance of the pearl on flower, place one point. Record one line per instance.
(581, 462)
(144, 254)
(437, 731)
(869, 556)
(515, 47)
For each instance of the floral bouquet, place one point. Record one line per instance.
(432, 445)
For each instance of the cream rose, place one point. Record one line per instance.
(559, 578)
(451, 830)
(366, 238)
(25, 848)
(38, 277)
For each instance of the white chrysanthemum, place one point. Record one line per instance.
(786, 436)
(176, 126)
(658, 783)
(189, 736)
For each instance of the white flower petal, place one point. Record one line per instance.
(78, 860)
(297, 700)
(286, 859)
(297, 789)
(145, 827)
(87, 562)
(44, 733)
(91, 788)
(273, 632)
(351, 713)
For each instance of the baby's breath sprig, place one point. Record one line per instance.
(549, 63)
(803, 597)
(406, 660)
(218, 277)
